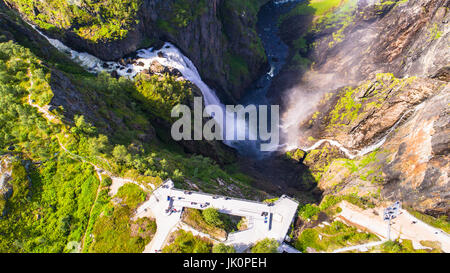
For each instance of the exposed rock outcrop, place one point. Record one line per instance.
(406, 38)
(215, 34)
(404, 113)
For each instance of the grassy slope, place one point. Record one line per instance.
(54, 213)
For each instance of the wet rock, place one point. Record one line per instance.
(122, 62)
(156, 67)
(443, 74)
(114, 74)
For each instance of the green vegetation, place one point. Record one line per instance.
(347, 108)
(222, 248)
(328, 206)
(210, 221)
(352, 104)
(296, 155)
(196, 219)
(184, 12)
(336, 15)
(51, 200)
(331, 237)
(186, 242)
(238, 68)
(313, 7)
(161, 95)
(92, 20)
(434, 33)
(131, 194)
(319, 160)
(405, 246)
(442, 222)
(59, 204)
(266, 246)
(114, 232)
(271, 201)
(388, 3)
(212, 217)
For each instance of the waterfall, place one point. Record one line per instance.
(168, 56)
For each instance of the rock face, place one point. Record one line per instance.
(382, 82)
(404, 38)
(419, 160)
(214, 34)
(411, 165)
(408, 39)
(360, 116)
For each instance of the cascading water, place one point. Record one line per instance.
(170, 56)
(277, 53)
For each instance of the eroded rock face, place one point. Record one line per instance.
(405, 111)
(419, 160)
(409, 39)
(361, 116)
(406, 39)
(412, 165)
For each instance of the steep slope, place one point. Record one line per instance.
(367, 98)
(66, 135)
(218, 36)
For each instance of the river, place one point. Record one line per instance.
(277, 53)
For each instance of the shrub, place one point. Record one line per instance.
(266, 246)
(222, 248)
(131, 194)
(212, 217)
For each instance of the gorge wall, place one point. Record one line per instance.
(372, 77)
(218, 36)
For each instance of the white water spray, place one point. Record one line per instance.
(168, 56)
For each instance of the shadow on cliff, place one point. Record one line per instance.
(278, 175)
(294, 32)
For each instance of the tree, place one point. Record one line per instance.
(120, 153)
(266, 246)
(223, 248)
(81, 126)
(212, 217)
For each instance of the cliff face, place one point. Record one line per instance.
(411, 165)
(218, 36)
(380, 81)
(406, 38)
